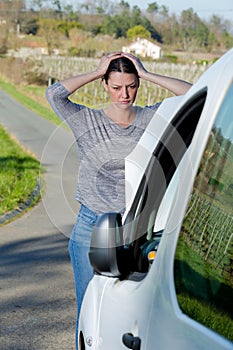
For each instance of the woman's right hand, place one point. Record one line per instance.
(105, 61)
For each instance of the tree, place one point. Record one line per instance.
(227, 40)
(57, 5)
(37, 5)
(69, 14)
(216, 22)
(152, 9)
(164, 12)
(48, 30)
(194, 32)
(138, 32)
(202, 34)
(11, 15)
(171, 31)
(136, 16)
(29, 26)
(110, 26)
(188, 19)
(124, 6)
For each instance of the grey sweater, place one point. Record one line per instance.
(102, 148)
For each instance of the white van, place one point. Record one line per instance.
(164, 272)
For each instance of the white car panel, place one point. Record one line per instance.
(137, 161)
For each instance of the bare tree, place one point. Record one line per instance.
(10, 20)
(48, 30)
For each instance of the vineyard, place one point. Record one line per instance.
(208, 230)
(57, 68)
(208, 226)
(204, 255)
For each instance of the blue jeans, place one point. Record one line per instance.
(79, 245)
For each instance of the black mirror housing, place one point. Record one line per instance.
(108, 255)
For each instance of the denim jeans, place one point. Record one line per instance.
(79, 245)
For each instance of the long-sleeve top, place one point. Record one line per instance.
(102, 148)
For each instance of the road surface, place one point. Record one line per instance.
(37, 295)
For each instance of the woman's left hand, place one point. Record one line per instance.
(105, 61)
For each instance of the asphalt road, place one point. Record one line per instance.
(37, 299)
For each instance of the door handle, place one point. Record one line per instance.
(131, 342)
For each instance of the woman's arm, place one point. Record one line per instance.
(176, 86)
(74, 83)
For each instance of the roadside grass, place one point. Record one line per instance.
(20, 171)
(199, 290)
(19, 174)
(207, 314)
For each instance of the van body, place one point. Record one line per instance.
(164, 271)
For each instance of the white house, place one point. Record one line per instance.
(143, 48)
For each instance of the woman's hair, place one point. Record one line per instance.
(123, 65)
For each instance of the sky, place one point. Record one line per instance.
(204, 8)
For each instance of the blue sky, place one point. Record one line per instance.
(204, 8)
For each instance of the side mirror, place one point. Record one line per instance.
(108, 255)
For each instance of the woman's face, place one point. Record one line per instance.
(122, 88)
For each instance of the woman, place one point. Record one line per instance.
(104, 138)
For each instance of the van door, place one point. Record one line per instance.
(192, 305)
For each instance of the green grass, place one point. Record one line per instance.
(19, 170)
(203, 293)
(207, 314)
(19, 174)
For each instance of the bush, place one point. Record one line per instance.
(34, 73)
(170, 58)
(80, 52)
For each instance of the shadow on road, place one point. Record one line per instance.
(37, 294)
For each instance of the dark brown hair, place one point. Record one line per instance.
(123, 65)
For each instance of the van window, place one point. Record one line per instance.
(204, 256)
(138, 227)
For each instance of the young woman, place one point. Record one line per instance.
(104, 138)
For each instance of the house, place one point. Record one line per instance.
(143, 48)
